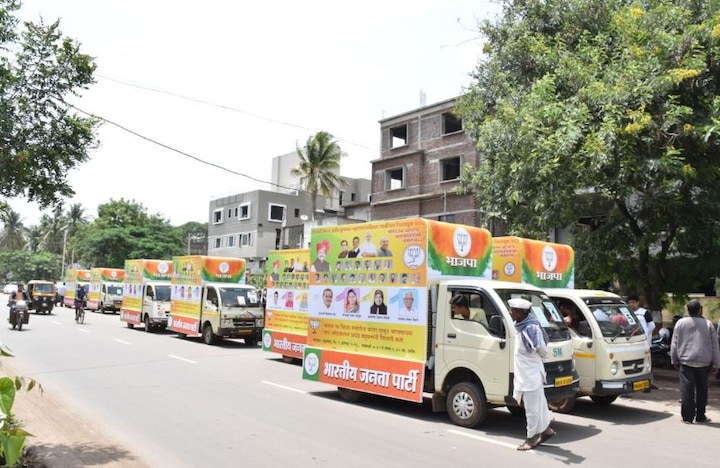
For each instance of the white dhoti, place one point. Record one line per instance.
(537, 413)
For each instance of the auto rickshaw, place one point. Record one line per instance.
(42, 296)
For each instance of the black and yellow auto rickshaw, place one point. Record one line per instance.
(42, 296)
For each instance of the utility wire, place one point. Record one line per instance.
(223, 106)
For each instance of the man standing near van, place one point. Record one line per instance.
(529, 377)
(694, 351)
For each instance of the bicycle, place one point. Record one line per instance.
(80, 311)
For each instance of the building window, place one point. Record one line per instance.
(276, 212)
(231, 241)
(394, 179)
(244, 211)
(451, 124)
(352, 197)
(229, 213)
(398, 136)
(236, 212)
(218, 242)
(450, 169)
(342, 194)
(246, 239)
(217, 216)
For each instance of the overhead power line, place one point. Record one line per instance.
(226, 107)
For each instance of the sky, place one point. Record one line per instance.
(235, 84)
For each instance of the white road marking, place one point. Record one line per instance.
(83, 330)
(181, 359)
(57, 323)
(284, 387)
(121, 341)
(489, 440)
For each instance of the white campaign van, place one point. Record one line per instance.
(389, 330)
(612, 356)
(146, 293)
(106, 289)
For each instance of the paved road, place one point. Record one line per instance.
(179, 403)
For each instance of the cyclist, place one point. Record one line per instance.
(80, 298)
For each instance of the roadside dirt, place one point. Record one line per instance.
(62, 437)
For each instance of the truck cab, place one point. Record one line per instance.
(231, 311)
(612, 353)
(111, 296)
(472, 361)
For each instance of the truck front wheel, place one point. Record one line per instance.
(209, 338)
(347, 394)
(565, 405)
(466, 405)
(603, 400)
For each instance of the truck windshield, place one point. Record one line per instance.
(162, 293)
(543, 309)
(239, 297)
(115, 290)
(614, 318)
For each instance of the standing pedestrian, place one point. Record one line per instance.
(694, 351)
(648, 324)
(529, 379)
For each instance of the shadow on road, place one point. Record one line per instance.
(81, 454)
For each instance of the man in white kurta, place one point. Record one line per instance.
(529, 377)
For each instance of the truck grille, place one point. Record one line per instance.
(633, 366)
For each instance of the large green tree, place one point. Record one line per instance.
(124, 230)
(605, 111)
(318, 167)
(42, 139)
(12, 236)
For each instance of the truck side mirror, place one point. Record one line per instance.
(496, 326)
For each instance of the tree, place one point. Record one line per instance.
(42, 139)
(605, 111)
(124, 230)
(12, 237)
(318, 168)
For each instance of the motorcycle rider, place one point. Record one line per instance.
(80, 298)
(19, 295)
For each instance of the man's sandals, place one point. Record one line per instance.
(530, 444)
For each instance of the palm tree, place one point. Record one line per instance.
(75, 216)
(34, 235)
(12, 235)
(318, 168)
(53, 228)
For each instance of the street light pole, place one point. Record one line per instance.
(62, 275)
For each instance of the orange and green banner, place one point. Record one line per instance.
(542, 264)
(98, 276)
(395, 378)
(286, 301)
(73, 277)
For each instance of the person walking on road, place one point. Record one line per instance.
(529, 380)
(695, 352)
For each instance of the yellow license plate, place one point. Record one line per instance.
(641, 385)
(563, 381)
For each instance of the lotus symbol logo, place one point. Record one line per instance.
(113, 274)
(267, 340)
(549, 258)
(163, 267)
(314, 325)
(224, 267)
(414, 257)
(462, 241)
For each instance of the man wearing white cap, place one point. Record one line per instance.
(528, 383)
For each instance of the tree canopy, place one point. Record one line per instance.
(602, 115)
(42, 139)
(123, 230)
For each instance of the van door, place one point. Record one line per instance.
(470, 343)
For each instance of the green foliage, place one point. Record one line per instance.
(605, 112)
(123, 230)
(12, 437)
(42, 139)
(319, 167)
(23, 266)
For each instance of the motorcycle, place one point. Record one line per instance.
(19, 315)
(660, 353)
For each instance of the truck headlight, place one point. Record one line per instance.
(614, 368)
(259, 322)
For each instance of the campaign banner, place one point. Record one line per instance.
(287, 344)
(199, 269)
(286, 300)
(136, 273)
(539, 263)
(457, 250)
(395, 378)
